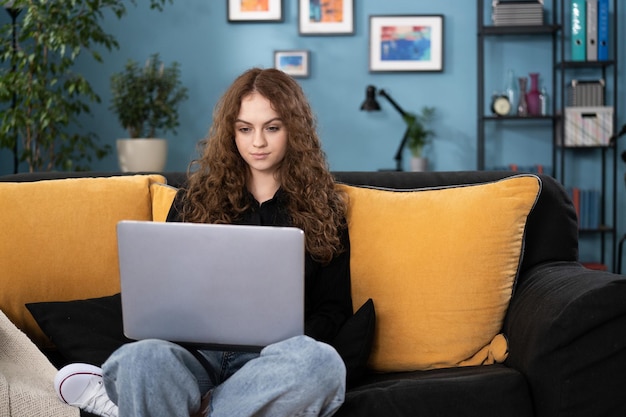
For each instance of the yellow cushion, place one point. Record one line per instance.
(440, 265)
(58, 240)
(162, 198)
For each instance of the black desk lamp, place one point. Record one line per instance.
(370, 104)
(13, 12)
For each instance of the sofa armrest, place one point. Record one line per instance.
(567, 334)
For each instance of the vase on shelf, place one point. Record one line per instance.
(543, 98)
(533, 99)
(511, 90)
(522, 105)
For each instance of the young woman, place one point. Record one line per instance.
(262, 164)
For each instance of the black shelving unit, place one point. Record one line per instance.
(607, 155)
(485, 32)
(563, 70)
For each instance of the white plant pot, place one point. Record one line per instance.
(419, 164)
(142, 155)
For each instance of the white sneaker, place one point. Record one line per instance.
(80, 385)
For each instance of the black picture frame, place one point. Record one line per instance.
(328, 18)
(406, 43)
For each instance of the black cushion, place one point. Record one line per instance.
(90, 330)
(354, 341)
(82, 330)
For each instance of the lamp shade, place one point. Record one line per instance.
(370, 103)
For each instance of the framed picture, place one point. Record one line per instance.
(294, 63)
(326, 17)
(406, 43)
(255, 10)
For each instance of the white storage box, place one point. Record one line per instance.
(588, 126)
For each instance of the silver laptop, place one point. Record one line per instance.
(213, 286)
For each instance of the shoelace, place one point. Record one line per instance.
(100, 403)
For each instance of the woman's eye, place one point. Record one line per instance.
(273, 128)
(244, 129)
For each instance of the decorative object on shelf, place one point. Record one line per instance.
(511, 90)
(544, 100)
(334, 17)
(294, 63)
(416, 135)
(586, 93)
(145, 100)
(500, 105)
(588, 126)
(522, 105)
(516, 13)
(533, 99)
(255, 10)
(406, 43)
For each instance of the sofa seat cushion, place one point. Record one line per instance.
(59, 240)
(440, 265)
(467, 391)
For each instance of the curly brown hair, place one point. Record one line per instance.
(217, 180)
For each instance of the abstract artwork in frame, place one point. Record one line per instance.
(293, 62)
(406, 43)
(326, 17)
(255, 10)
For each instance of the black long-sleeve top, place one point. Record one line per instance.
(328, 301)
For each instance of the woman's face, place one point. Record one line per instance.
(260, 135)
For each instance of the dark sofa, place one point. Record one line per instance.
(566, 325)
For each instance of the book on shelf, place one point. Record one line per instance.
(589, 30)
(528, 169)
(597, 266)
(578, 30)
(603, 30)
(592, 30)
(587, 203)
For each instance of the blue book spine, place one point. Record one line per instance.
(584, 209)
(603, 30)
(579, 30)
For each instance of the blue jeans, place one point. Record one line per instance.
(296, 377)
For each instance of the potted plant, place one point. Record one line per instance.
(419, 136)
(42, 96)
(145, 100)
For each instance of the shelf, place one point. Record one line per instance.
(601, 229)
(521, 118)
(585, 64)
(587, 148)
(518, 30)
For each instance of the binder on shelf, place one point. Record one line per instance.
(579, 30)
(592, 30)
(603, 30)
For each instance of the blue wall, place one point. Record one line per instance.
(212, 52)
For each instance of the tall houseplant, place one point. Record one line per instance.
(41, 96)
(418, 135)
(145, 100)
